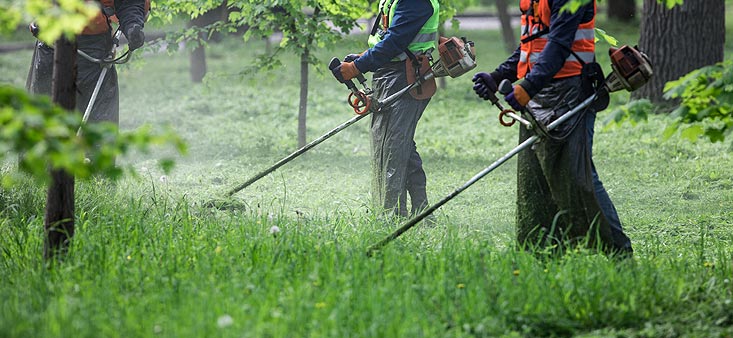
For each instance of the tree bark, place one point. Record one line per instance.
(198, 54)
(198, 64)
(510, 41)
(197, 59)
(59, 217)
(621, 10)
(303, 106)
(680, 40)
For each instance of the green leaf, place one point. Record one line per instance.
(572, 6)
(10, 16)
(671, 3)
(601, 34)
(705, 94)
(715, 134)
(670, 130)
(692, 133)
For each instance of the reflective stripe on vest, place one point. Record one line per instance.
(425, 40)
(536, 20)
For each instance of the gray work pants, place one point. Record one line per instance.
(106, 107)
(558, 189)
(396, 164)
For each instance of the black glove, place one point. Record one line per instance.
(485, 85)
(135, 36)
(351, 57)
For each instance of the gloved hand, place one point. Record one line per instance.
(351, 57)
(518, 98)
(485, 84)
(33, 27)
(135, 36)
(345, 71)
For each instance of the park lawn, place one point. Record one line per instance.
(149, 260)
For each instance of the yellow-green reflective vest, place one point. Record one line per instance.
(424, 41)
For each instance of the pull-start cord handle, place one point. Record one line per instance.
(505, 87)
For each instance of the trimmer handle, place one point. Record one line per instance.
(494, 100)
(505, 87)
(358, 100)
(360, 77)
(335, 62)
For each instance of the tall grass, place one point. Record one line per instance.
(148, 260)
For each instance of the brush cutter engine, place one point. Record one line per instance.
(456, 57)
(631, 69)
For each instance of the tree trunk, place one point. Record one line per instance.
(303, 106)
(197, 59)
(680, 40)
(198, 54)
(510, 40)
(59, 218)
(621, 10)
(198, 64)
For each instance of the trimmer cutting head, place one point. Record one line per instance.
(229, 203)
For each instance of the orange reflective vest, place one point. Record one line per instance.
(535, 28)
(98, 24)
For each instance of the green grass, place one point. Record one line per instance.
(148, 260)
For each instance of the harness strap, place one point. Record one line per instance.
(416, 66)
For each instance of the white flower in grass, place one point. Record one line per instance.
(274, 230)
(224, 321)
(163, 179)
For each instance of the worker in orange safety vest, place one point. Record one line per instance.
(96, 40)
(550, 63)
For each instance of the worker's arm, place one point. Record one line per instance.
(508, 69)
(131, 14)
(409, 18)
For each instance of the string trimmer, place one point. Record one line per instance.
(631, 70)
(457, 56)
(106, 63)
